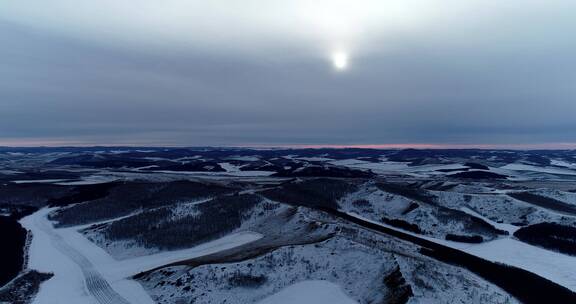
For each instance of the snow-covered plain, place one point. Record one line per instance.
(77, 263)
(310, 292)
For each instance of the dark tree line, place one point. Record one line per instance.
(156, 229)
(321, 192)
(134, 196)
(544, 201)
(550, 236)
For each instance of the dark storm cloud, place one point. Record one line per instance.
(483, 74)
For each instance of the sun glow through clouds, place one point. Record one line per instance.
(340, 60)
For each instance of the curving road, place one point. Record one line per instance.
(95, 284)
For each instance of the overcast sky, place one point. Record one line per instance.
(262, 72)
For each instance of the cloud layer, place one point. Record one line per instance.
(258, 72)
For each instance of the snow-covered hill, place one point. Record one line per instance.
(160, 225)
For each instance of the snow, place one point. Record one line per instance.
(506, 227)
(566, 197)
(554, 266)
(244, 158)
(562, 163)
(549, 170)
(498, 207)
(33, 181)
(230, 168)
(10, 172)
(208, 174)
(67, 285)
(118, 270)
(512, 170)
(315, 159)
(434, 167)
(551, 265)
(310, 292)
(90, 180)
(378, 204)
(76, 263)
(354, 263)
(383, 166)
(363, 267)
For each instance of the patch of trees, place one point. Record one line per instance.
(408, 192)
(246, 280)
(478, 175)
(544, 201)
(39, 174)
(106, 161)
(444, 214)
(452, 170)
(261, 166)
(33, 194)
(83, 193)
(193, 166)
(16, 211)
(413, 206)
(13, 240)
(324, 171)
(539, 159)
(476, 166)
(522, 284)
(471, 223)
(402, 225)
(400, 290)
(361, 203)
(320, 192)
(550, 236)
(440, 186)
(24, 288)
(475, 239)
(156, 228)
(127, 198)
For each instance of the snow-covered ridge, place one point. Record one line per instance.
(76, 263)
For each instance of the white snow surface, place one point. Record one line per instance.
(245, 158)
(310, 292)
(379, 167)
(34, 181)
(554, 266)
(227, 173)
(506, 227)
(90, 180)
(561, 163)
(76, 263)
(315, 159)
(550, 170)
(566, 197)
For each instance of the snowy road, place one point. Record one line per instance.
(95, 284)
(85, 273)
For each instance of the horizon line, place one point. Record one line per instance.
(421, 146)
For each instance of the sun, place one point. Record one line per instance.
(340, 60)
